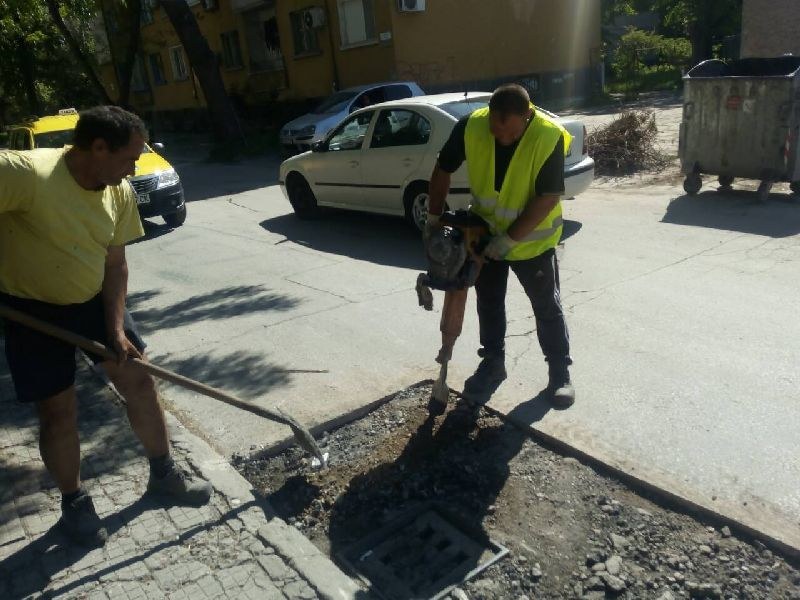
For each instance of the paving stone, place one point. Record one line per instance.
(187, 518)
(32, 504)
(11, 529)
(39, 523)
(177, 575)
(88, 561)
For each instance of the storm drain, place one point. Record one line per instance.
(423, 554)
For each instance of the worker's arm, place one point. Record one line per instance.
(437, 190)
(115, 289)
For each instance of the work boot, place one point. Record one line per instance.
(180, 487)
(559, 386)
(80, 523)
(491, 372)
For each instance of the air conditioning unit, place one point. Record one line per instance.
(411, 5)
(314, 17)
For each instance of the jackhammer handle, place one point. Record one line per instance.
(160, 372)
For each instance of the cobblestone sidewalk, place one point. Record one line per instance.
(232, 548)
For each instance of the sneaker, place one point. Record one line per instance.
(180, 487)
(559, 386)
(80, 523)
(491, 372)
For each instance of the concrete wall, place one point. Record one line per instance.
(770, 28)
(550, 44)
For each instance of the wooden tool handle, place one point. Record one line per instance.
(160, 372)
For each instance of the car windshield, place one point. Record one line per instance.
(462, 108)
(334, 103)
(53, 139)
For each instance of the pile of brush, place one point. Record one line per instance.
(626, 145)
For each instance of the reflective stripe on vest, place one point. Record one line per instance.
(500, 210)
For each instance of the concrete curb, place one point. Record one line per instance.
(312, 565)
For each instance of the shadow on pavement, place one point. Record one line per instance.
(570, 228)
(247, 374)
(373, 238)
(152, 231)
(203, 180)
(737, 210)
(224, 303)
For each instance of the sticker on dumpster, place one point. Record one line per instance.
(734, 102)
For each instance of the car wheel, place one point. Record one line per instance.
(416, 204)
(302, 198)
(177, 218)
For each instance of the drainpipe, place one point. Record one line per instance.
(329, 24)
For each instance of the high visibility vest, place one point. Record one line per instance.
(500, 209)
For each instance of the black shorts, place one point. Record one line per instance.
(43, 366)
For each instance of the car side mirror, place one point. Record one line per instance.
(319, 146)
(158, 146)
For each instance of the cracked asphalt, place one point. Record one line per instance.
(681, 311)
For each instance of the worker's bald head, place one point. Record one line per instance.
(509, 113)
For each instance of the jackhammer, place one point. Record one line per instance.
(454, 262)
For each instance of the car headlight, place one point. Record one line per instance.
(308, 130)
(167, 178)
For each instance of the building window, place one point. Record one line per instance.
(139, 76)
(147, 14)
(179, 70)
(231, 51)
(304, 36)
(157, 69)
(356, 22)
(263, 40)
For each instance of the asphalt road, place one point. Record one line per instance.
(682, 311)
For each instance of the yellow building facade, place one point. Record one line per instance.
(298, 49)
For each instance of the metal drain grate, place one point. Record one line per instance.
(422, 554)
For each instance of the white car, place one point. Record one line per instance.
(380, 159)
(303, 132)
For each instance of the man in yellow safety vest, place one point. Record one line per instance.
(515, 160)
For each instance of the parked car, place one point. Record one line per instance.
(299, 135)
(381, 157)
(158, 188)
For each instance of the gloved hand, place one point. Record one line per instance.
(499, 246)
(431, 225)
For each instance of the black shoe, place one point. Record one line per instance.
(491, 372)
(181, 488)
(80, 523)
(559, 386)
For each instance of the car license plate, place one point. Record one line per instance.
(142, 198)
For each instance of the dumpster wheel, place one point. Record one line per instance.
(795, 187)
(764, 188)
(725, 182)
(692, 183)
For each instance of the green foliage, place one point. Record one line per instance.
(639, 51)
(38, 74)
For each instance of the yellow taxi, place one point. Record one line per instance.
(158, 188)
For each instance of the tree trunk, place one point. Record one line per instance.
(134, 8)
(88, 67)
(224, 121)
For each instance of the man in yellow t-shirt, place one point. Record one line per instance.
(65, 217)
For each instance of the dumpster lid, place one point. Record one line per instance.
(779, 66)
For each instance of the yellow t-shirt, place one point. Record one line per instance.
(54, 235)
